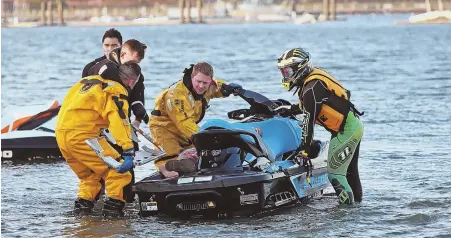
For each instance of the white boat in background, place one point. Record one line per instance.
(304, 19)
(429, 17)
(29, 131)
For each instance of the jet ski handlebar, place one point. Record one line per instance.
(260, 105)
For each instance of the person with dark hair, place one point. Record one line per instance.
(324, 101)
(111, 39)
(179, 109)
(92, 104)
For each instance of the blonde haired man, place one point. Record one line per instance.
(181, 107)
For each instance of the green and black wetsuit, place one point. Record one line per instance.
(324, 101)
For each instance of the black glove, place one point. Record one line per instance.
(314, 149)
(228, 89)
(288, 112)
(284, 112)
(140, 113)
(110, 71)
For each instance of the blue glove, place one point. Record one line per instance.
(128, 161)
(228, 89)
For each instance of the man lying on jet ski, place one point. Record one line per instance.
(179, 108)
(92, 104)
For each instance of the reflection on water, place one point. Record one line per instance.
(90, 226)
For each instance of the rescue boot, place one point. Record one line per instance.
(344, 197)
(181, 166)
(113, 207)
(83, 206)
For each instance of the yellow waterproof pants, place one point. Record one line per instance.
(89, 168)
(172, 144)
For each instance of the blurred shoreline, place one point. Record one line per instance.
(220, 12)
(150, 22)
(230, 20)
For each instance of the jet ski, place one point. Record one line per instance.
(245, 167)
(29, 132)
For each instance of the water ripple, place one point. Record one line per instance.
(398, 74)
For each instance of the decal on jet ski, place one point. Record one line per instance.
(149, 206)
(259, 132)
(203, 179)
(315, 181)
(185, 180)
(263, 164)
(7, 154)
(215, 152)
(50, 112)
(249, 199)
(304, 188)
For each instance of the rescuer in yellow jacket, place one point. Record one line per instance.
(324, 101)
(95, 103)
(179, 108)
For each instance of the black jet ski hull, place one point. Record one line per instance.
(235, 193)
(48, 142)
(30, 147)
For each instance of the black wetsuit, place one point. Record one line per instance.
(312, 96)
(136, 95)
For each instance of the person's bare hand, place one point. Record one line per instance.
(136, 123)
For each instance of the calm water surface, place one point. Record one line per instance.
(400, 75)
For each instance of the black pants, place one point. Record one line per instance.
(129, 195)
(353, 176)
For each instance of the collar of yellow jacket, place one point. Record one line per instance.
(108, 86)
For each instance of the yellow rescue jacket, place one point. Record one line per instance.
(335, 110)
(95, 103)
(178, 112)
